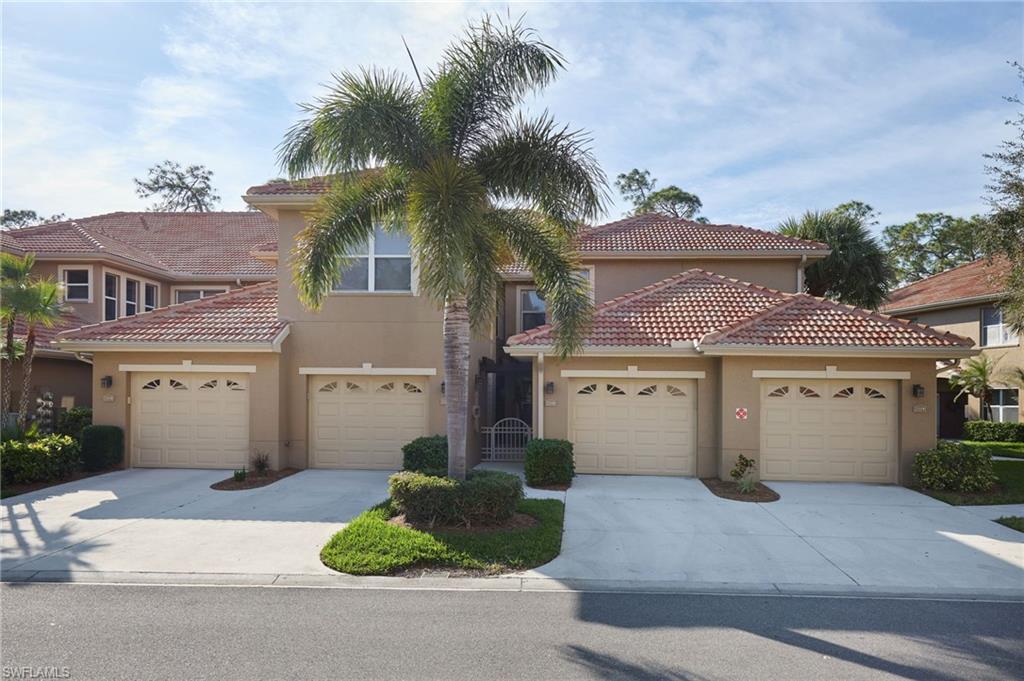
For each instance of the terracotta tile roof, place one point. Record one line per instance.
(193, 244)
(243, 315)
(974, 280)
(709, 309)
(806, 321)
(310, 185)
(681, 308)
(69, 319)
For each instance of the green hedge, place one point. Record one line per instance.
(427, 455)
(955, 467)
(486, 498)
(993, 431)
(102, 447)
(549, 462)
(73, 421)
(44, 459)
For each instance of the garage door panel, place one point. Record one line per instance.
(848, 434)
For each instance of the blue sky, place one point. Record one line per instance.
(763, 110)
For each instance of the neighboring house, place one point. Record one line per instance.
(126, 264)
(686, 366)
(965, 301)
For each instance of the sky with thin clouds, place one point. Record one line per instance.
(763, 110)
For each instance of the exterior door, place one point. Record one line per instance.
(633, 427)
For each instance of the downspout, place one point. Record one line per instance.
(539, 430)
(800, 274)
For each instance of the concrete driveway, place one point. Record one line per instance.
(170, 521)
(820, 535)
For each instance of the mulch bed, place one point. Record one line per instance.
(731, 490)
(252, 481)
(25, 488)
(519, 521)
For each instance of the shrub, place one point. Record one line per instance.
(994, 431)
(486, 498)
(549, 462)
(52, 457)
(426, 455)
(955, 467)
(240, 475)
(261, 463)
(743, 468)
(72, 421)
(102, 447)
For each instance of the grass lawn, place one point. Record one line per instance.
(370, 545)
(1009, 490)
(1012, 521)
(1011, 449)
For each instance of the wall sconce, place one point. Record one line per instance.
(107, 382)
(442, 387)
(549, 388)
(918, 390)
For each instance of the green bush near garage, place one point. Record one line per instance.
(43, 459)
(73, 421)
(549, 462)
(484, 498)
(428, 455)
(102, 447)
(993, 431)
(955, 467)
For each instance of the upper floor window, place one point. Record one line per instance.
(131, 297)
(993, 330)
(77, 285)
(184, 295)
(382, 264)
(532, 308)
(1004, 404)
(151, 299)
(111, 296)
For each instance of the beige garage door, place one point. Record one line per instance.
(362, 422)
(633, 427)
(829, 430)
(190, 420)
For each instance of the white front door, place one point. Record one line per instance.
(190, 420)
(633, 427)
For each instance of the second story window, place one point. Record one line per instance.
(111, 300)
(184, 295)
(533, 310)
(383, 264)
(76, 285)
(993, 330)
(150, 302)
(131, 297)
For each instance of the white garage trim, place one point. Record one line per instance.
(630, 372)
(188, 366)
(833, 372)
(367, 370)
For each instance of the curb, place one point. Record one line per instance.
(511, 583)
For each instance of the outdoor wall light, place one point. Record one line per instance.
(549, 388)
(442, 387)
(107, 381)
(918, 390)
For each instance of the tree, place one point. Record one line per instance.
(638, 187)
(185, 189)
(975, 378)
(39, 305)
(1005, 234)
(13, 219)
(933, 243)
(472, 182)
(856, 272)
(858, 210)
(15, 277)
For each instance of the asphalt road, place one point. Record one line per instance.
(176, 632)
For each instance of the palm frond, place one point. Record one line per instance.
(366, 118)
(551, 168)
(344, 220)
(483, 77)
(544, 249)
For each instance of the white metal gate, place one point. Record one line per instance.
(505, 440)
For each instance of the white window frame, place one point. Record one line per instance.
(156, 297)
(138, 296)
(203, 290)
(122, 292)
(533, 287)
(61, 269)
(998, 410)
(371, 271)
(1000, 330)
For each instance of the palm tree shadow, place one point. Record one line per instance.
(605, 666)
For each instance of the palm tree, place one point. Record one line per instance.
(856, 272)
(975, 379)
(475, 184)
(40, 305)
(15, 276)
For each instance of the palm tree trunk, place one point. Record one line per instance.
(5, 405)
(456, 382)
(26, 375)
